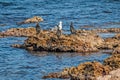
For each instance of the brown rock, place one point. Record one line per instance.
(66, 43)
(114, 75)
(35, 19)
(110, 43)
(116, 50)
(113, 61)
(88, 70)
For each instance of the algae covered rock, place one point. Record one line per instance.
(113, 61)
(66, 43)
(110, 43)
(89, 70)
(19, 32)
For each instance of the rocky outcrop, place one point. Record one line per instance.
(88, 70)
(113, 61)
(84, 42)
(19, 32)
(92, 70)
(111, 43)
(113, 75)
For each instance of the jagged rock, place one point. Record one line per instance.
(110, 43)
(114, 75)
(116, 50)
(65, 43)
(88, 70)
(35, 19)
(113, 61)
(19, 32)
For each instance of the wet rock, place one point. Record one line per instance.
(16, 45)
(110, 43)
(88, 70)
(65, 43)
(19, 32)
(117, 36)
(114, 75)
(35, 19)
(116, 50)
(113, 61)
(111, 30)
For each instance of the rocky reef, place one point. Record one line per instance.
(88, 70)
(91, 70)
(19, 32)
(49, 41)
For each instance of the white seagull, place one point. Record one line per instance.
(60, 25)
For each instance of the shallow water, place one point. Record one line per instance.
(19, 64)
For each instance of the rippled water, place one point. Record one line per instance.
(19, 64)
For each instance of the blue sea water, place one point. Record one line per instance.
(19, 64)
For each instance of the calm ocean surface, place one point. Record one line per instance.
(19, 64)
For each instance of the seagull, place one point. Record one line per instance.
(59, 29)
(72, 29)
(59, 32)
(60, 25)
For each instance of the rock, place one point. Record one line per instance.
(88, 70)
(110, 43)
(117, 36)
(116, 50)
(66, 43)
(16, 45)
(35, 19)
(107, 30)
(19, 32)
(114, 75)
(113, 61)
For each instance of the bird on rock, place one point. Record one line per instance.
(59, 29)
(60, 25)
(38, 28)
(72, 29)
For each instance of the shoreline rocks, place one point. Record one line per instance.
(87, 70)
(82, 41)
(91, 70)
